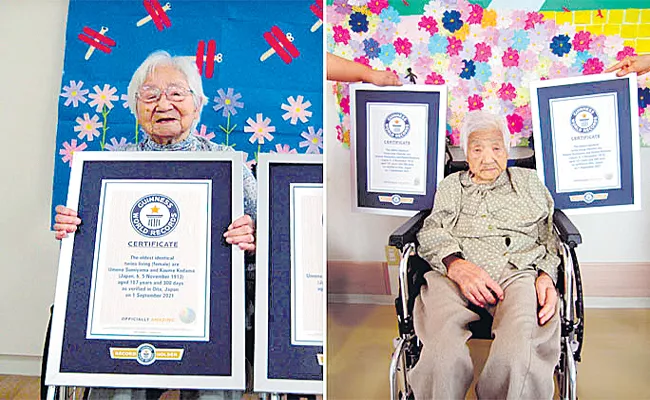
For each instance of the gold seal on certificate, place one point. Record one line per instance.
(150, 270)
(397, 147)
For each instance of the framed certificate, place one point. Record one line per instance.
(290, 298)
(586, 132)
(397, 147)
(148, 292)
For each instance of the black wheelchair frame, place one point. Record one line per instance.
(411, 278)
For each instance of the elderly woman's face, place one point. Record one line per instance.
(486, 155)
(165, 120)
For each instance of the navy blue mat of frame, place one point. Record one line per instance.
(200, 358)
(286, 361)
(622, 196)
(371, 199)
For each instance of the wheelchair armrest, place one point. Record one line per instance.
(568, 232)
(407, 231)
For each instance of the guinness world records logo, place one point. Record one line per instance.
(396, 125)
(584, 119)
(154, 215)
(146, 354)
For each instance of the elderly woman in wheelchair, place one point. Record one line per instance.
(490, 244)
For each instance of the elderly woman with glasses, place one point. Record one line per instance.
(490, 243)
(166, 96)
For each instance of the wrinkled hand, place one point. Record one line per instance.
(474, 282)
(384, 78)
(66, 222)
(639, 64)
(546, 297)
(242, 233)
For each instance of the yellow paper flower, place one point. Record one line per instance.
(489, 18)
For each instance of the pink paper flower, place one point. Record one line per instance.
(434, 79)
(455, 45)
(69, 149)
(475, 15)
(261, 129)
(532, 19)
(341, 35)
(345, 104)
(375, 6)
(510, 58)
(284, 149)
(598, 45)
(507, 92)
(528, 60)
(558, 70)
(491, 36)
(483, 52)
(455, 137)
(524, 112)
(515, 123)
(428, 24)
(423, 65)
(456, 65)
(402, 46)
(296, 110)
(363, 60)
(87, 127)
(593, 66)
(475, 102)
(519, 18)
(103, 97)
(581, 41)
(203, 132)
(626, 52)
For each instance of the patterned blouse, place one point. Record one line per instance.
(505, 227)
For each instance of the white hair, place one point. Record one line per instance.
(185, 65)
(481, 120)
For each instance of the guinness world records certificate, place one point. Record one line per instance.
(148, 293)
(586, 132)
(397, 147)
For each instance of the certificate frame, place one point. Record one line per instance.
(624, 194)
(219, 363)
(280, 366)
(397, 202)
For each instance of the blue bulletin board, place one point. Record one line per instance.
(255, 105)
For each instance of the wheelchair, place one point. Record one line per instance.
(411, 278)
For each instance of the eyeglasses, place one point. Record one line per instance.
(151, 94)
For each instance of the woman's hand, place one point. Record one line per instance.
(546, 297)
(639, 64)
(66, 222)
(474, 283)
(242, 233)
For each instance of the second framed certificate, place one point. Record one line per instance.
(587, 142)
(289, 288)
(397, 145)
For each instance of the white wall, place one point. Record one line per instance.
(614, 237)
(32, 35)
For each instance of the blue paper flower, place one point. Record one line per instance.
(469, 70)
(387, 54)
(581, 58)
(483, 71)
(358, 22)
(390, 14)
(371, 47)
(451, 21)
(520, 40)
(644, 97)
(561, 45)
(438, 44)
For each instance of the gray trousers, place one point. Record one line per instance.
(522, 357)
